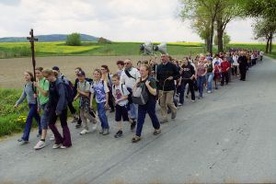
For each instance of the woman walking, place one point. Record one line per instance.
(209, 76)
(29, 94)
(201, 72)
(57, 107)
(42, 86)
(150, 86)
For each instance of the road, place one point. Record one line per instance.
(226, 137)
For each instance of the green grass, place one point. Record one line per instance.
(22, 49)
(11, 120)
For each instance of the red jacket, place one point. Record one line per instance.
(225, 66)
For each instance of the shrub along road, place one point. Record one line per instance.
(228, 136)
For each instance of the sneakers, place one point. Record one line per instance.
(78, 125)
(119, 134)
(84, 131)
(56, 146)
(173, 115)
(164, 121)
(64, 147)
(133, 125)
(179, 104)
(94, 126)
(22, 141)
(209, 92)
(75, 119)
(105, 131)
(39, 145)
(52, 138)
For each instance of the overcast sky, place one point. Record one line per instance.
(117, 20)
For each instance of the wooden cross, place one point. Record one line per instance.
(32, 39)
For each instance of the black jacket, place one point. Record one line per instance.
(165, 71)
(57, 96)
(188, 71)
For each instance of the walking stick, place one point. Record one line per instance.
(32, 39)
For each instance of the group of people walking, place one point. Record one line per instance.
(130, 93)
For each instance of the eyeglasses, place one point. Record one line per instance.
(126, 63)
(102, 68)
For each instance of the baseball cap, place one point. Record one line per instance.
(55, 68)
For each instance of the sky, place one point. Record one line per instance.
(116, 20)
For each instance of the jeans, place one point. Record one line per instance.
(133, 110)
(66, 139)
(32, 114)
(200, 82)
(44, 118)
(149, 108)
(209, 78)
(102, 115)
(182, 89)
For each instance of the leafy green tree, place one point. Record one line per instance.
(200, 10)
(264, 11)
(73, 39)
(228, 10)
(265, 28)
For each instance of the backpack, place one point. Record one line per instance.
(140, 95)
(69, 89)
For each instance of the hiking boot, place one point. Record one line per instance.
(119, 134)
(133, 125)
(173, 115)
(135, 139)
(105, 131)
(40, 145)
(157, 131)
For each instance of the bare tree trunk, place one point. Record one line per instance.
(270, 42)
(267, 45)
(220, 33)
(211, 37)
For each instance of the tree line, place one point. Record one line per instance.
(211, 17)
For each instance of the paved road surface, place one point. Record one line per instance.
(229, 136)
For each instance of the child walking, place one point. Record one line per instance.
(120, 94)
(83, 93)
(100, 89)
(29, 94)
